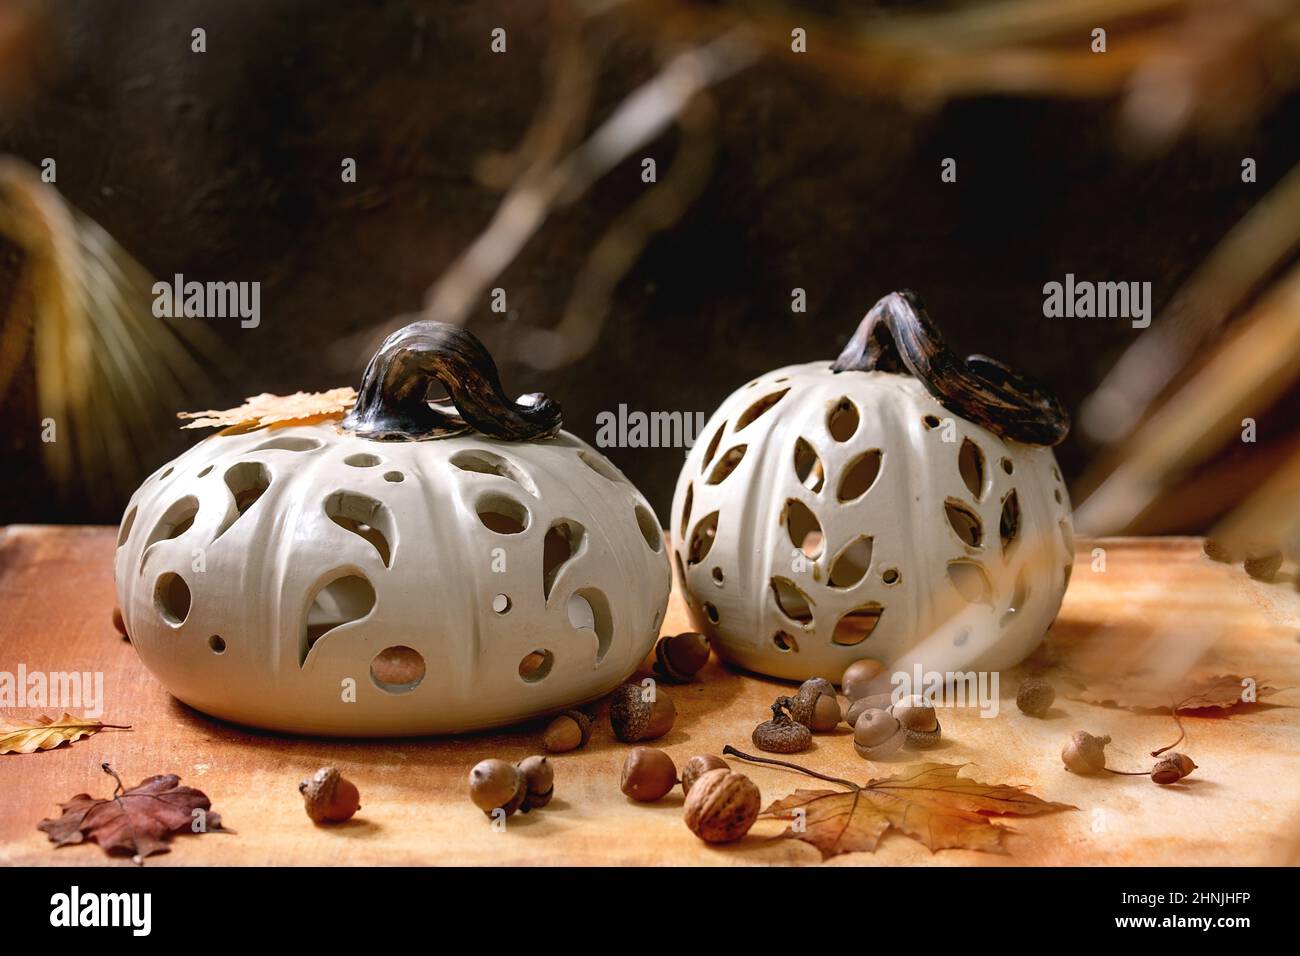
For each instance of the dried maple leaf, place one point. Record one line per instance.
(140, 820)
(24, 737)
(928, 802)
(1145, 692)
(261, 411)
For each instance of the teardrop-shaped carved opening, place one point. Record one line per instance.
(712, 448)
(842, 420)
(803, 527)
(171, 596)
(706, 529)
(1019, 595)
(808, 466)
(365, 517)
(397, 669)
(791, 601)
(857, 625)
(852, 563)
(970, 462)
(1009, 523)
(785, 643)
(484, 462)
(588, 610)
(345, 599)
(686, 507)
(649, 525)
(964, 522)
(601, 466)
(175, 521)
(127, 524)
(502, 515)
(289, 443)
(563, 540)
(247, 482)
(971, 581)
(726, 464)
(759, 407)
(860, 475)
(362, 460)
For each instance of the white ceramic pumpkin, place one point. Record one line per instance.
(336, 579)
(836, 511)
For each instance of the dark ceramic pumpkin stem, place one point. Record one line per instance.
(392, 403)
(898, 336)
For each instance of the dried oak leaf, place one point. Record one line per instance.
(139, 821)
(1144, 692)
(262, 411)
(928, 802)
(45, 733)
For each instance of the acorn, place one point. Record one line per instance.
(1084, 753)
(699, 765)
(648, 774)
(329, 797)
(680, 657)
(1035, 697)
(634, 718)
(877, 734)
(816, 706)
(919, 720)
(782, 734)
(569, 731)
(1171, 768)
(861, 677)
(496, 785)
(539, 782)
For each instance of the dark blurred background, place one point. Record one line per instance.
(225, 165)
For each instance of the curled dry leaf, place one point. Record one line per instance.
(1143, 692)
(139, 821)
(262, 411)
(928, 802)
(45, 733)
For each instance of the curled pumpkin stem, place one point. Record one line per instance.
(898, 336)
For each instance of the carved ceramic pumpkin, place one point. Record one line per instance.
(405, 571)
(897, 504)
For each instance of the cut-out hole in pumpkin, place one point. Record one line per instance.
(964, 522)
(712, 448)
(711, 612)
(588, 610)
(1008, 466)
(1019, 595)
(502, 515)
(803, 527)
(175, 521)
(483, 462)
(706, 530)
(857, 625)
(759, 407)
(971, 581)
(536, 665)
(289, 443)
(851, 564)
(785, 643)
(842, 420)
(247, 482)
(394, 476)
(808, 466)
(171, 595)
(127, 524)
(563, 540)
(791, 601)
(686, 507)
(649, 525)
(217, 643)
(860, 475)
(397, 669)
(365, 517)
(891, 576)
(347, 598)
(726, 464)
(970, 462)
(203, 472)
(1009, 522)
(931, 421)
(1056, 493)
(501, 604)
(166, 471)
(718, 577)
(601, 466)
(362, 460)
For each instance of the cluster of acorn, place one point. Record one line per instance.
(500, 787)
(721, 804)
(1085, 754)
(880, 724)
